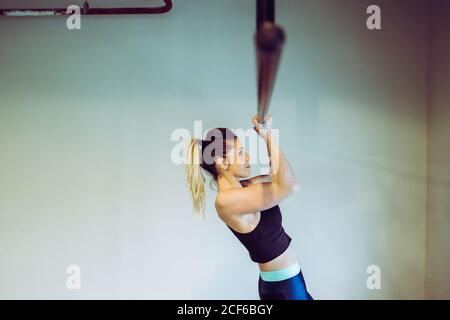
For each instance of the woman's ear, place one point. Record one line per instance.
(222, 164)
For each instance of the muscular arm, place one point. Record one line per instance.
(258, 194)
(280, 169)
(256, 179)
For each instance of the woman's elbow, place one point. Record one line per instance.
(292, 188)
(295, 187)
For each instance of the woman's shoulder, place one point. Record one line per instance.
(223, 198)
(241, 223)
(220, 209)
(221, 204)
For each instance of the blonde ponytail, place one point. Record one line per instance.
(195, 178)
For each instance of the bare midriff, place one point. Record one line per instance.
(284, 260)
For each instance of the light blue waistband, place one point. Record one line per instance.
(281, 274)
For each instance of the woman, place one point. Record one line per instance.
(250, 207)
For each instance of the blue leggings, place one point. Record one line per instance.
(293, 288)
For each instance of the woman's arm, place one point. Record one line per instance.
(256, 179)
(280, 169)
(264, 195)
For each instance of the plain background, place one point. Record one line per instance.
(438, 206)
(86, 176)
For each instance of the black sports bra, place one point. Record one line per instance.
(268, 240)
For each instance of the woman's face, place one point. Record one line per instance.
(238, 160)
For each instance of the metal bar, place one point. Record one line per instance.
(86, 10)
(269, 39)
(265, 11)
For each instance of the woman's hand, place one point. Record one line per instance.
(262, 130)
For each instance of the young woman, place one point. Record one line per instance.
(250, 207)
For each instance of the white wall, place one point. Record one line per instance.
(85, 172)
(438, 218)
